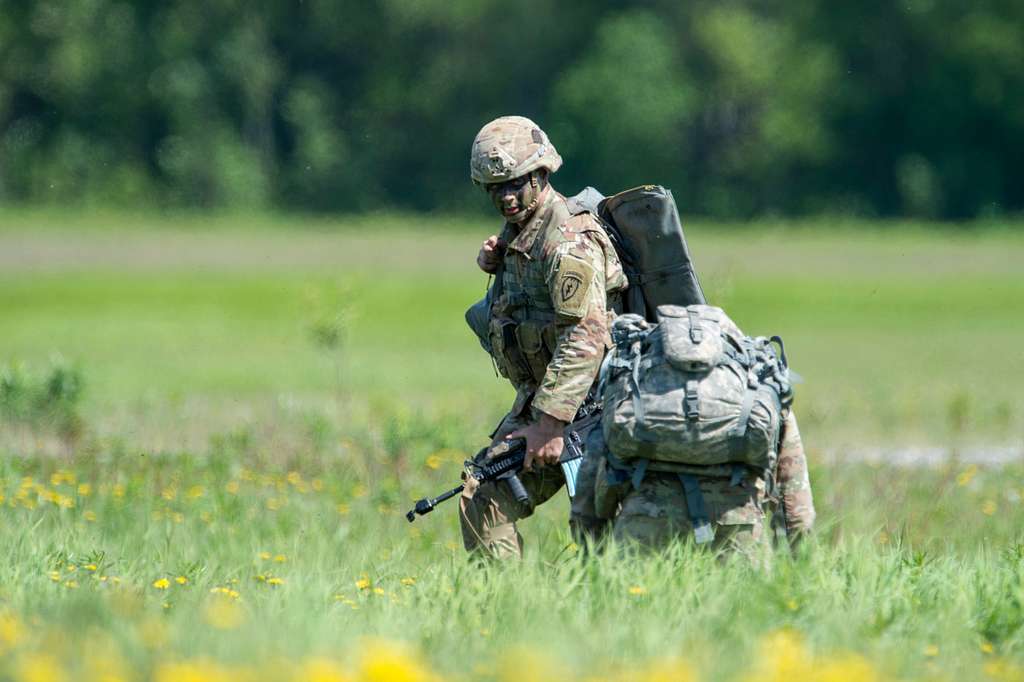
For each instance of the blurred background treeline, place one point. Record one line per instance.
(795, 107)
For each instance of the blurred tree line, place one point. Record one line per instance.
(742, 107)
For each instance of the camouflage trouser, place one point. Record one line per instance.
(488, 512)
(656, 513)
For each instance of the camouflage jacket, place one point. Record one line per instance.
(793, 481)
(549, 325)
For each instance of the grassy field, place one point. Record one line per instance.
(263, 399)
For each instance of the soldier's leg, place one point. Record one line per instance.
(657, 513)
(653, 515)
(739, 519)
(488, 512)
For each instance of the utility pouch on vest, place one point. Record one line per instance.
(506, 352)
(535, 351)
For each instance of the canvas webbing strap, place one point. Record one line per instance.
(638, 407)
(703, 533)
(692, 401)
(745, 409)
(639, 471)
(696, 332)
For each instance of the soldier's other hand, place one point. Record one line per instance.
(490, 254)
(544, 441)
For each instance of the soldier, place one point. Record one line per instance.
(656, 512)
(547, 327)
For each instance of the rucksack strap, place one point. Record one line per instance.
(745, 410)
(703, 533)
(639, 471)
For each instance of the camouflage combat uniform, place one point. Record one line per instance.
(656, 512)
(549, 331)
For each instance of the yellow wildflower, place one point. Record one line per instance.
(988, 508)
(280, 558)
(11, 631)
(181, 580)
(275, 581)
(1004, 671)
(434, 461)
(54, 576)
(931, 651)
(408, 582)
(193, 671)
(89, 515)
(986, 647)
(782, 656)
(232, 487)
(388, 662)
(264, 555)
(321, 670)
(84, 489)
(846, 668)
(161, 583)
(363, 583)
(378, 590)
(223, 614)
(40, 668)
(637, 590)
(967, 475)
(343, 509)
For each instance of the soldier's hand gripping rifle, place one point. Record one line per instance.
(505, 462)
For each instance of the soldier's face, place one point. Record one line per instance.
(516, 199)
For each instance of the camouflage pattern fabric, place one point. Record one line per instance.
(794, 482)
(510, 147)
(695, 390)
(654, 514)
(549, 327)
(549, 331)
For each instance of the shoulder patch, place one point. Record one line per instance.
(570, 288)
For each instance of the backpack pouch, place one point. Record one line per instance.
(692, 341)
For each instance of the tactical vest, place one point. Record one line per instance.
(516, 322)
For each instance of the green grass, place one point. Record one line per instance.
(217, 429)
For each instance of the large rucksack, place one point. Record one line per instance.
(643, 225)
(693, 390)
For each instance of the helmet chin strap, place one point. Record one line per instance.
(537, 192)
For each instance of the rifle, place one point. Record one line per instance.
(505, 462)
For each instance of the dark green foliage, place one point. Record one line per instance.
(742, 108)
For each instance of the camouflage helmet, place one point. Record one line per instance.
(510, 147)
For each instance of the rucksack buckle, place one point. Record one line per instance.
(703, 533)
